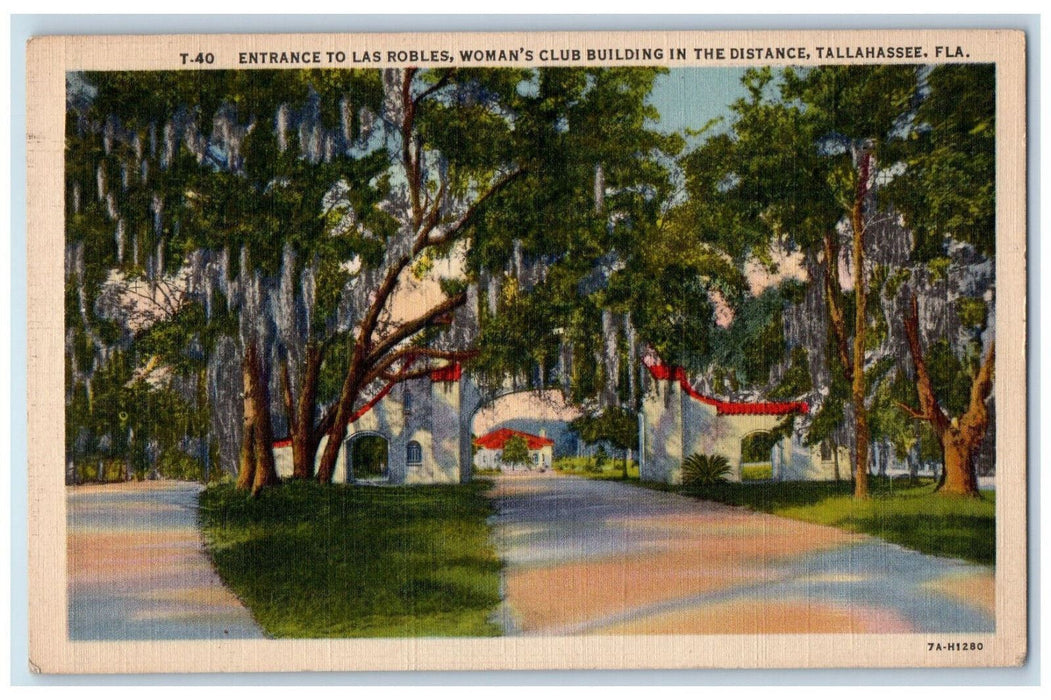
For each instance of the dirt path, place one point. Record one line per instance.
(138, 570)
(602, 557)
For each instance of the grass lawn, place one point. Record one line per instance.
(756, 472)
(353, 561)
(912, 516)
(611, 468)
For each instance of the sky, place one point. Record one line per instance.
(690, 97)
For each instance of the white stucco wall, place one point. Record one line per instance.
(421, 410)
(674, 425)
(794, 461)
(662, 434)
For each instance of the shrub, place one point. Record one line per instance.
(112, 470)
(601, 456)
(175, 464)
(700, 470)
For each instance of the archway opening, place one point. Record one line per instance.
(368, 457)
(543, 416)
(756, 461)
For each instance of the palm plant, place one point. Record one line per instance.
(702, 470)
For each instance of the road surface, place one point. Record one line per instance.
(138, 570)
(586, 556)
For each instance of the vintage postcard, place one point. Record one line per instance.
(527, 351)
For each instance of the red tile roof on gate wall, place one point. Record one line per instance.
(731, 408)
(448, 373)
(495, 440)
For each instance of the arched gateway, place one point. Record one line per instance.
(426, 423)
(677, 421)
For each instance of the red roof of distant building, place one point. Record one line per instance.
(495, 440)
(754, 408)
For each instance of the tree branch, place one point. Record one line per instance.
(835, 311)
(390, 283)
(414, 326)
(286, 395)
(912, 412)
(431, 220)
(405, 376)
(468, 216)
(977, 416)
(928, 401)
(442, 82)
(410, 160)
(327, 419)
(452, 355)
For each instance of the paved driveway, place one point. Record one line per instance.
(603, 557)
(138, 570)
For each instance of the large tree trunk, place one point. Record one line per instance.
(960, 437)
(304, 452)
(265, 469)
(857, 391)
(247, 461)
(835, 459)
(861, 450)
(327, 465)
(959, 476)
(257, 468)
(345, 404)
(836, 316)
(305, 436)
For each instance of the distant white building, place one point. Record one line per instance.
(490, 449)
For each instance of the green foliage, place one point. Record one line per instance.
(112, 470)
(701, 470)
(949, 184)
(754, 342)
(312, 561)
(653, 245)
(598, 254)
(894, 282)
(516, 451)
(129, 419)
(518, 336)
(939, 268)
(949, 377)
(797, 380)
(675, 314)
(614, 425)
(369, 457)
(783, 175)
(973, 313)
(888, 421)
(830, 415)
(174, 464)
